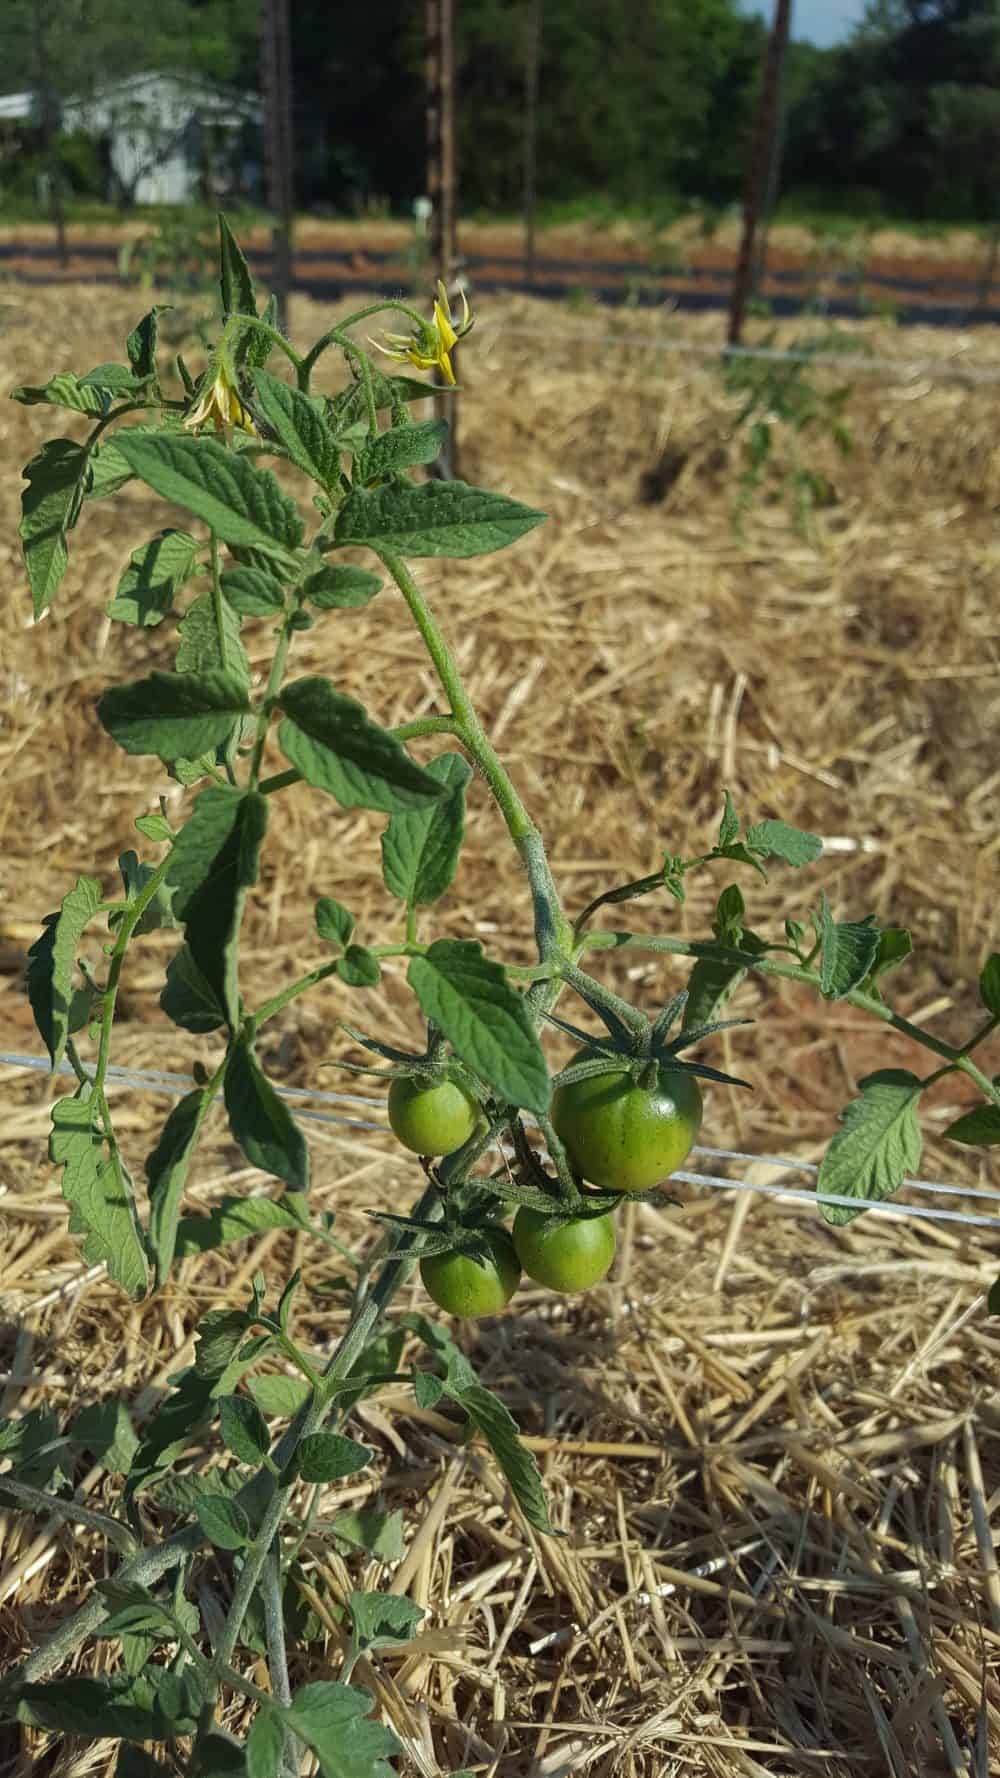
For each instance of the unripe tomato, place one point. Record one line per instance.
(624, 1137)
(431, 1118)
(566, 1256)
(460, 1285)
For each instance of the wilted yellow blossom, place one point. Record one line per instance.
(220, 404)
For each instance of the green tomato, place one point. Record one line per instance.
(624, 1137)
(431, 1119)
(460, 1285)
(566, 1256)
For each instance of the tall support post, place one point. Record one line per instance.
(49, 122)
(277, 83)
(532, 55)
(759, 165)
(439, 17)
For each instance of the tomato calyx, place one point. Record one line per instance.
(639, 1047)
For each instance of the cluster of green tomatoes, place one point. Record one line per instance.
(620, 1134)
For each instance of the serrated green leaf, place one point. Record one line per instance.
(215, 863)
(261, 1122)
(989, 984)
(154, 576)
(335, 1721)
(484, 1019)
(82, 395)
(877, 1145)
(378, 1533)
(106, 1431)
(218, 1336)
(223, 1521)
(711, 986)
(173, 715)
(200, 648)
(136, 877)
(383, 1620)
(99, 1192)
(244, 1429)
(252, 592)
(235, 1219)
(435, 519)
(299, 423)
(337, 587)
(491, 1418)
(244, 506)
(420, 849)
(141, 342)
(980, 1128)
(729, 826)
(188, 999)
(167, 1170)
(334, 922)
(359, 968)
(330, 740)
(328, 1457)
(847, 951)
(175, 1425)
(124, 1708)
(402, 447)
(427, 1388)
(894, 946)
(154, 827)
(350, 405)
(49, 507)
(236, 286)
(280, 1396)
(51, 961)
(265, 1745)
(221, 1756)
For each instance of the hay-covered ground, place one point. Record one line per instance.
(772, 1445)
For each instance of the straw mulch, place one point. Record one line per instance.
(772, 1446)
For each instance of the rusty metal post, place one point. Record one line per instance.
(277, 83)
(760, 161)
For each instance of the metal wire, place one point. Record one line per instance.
(174, 1085)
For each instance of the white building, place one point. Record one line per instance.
(169, 138)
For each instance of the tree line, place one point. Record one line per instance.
(647, 103)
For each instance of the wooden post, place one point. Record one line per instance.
(532, 54)
(760, 159)
(47, 109)
(277, 83)
(439, 16)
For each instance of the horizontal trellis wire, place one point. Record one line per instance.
(175, 1085)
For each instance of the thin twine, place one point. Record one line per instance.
(154, 1081)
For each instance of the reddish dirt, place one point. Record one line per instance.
(617, 257)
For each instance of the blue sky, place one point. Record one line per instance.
(821, 21)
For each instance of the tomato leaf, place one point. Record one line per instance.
(434, 519)
(980, 1128)
(201, 648)
(989, 984)
(236, 286)
(235, 1219)
(252, 592)
(99, 1191)
(213, 910)
(187, 998)
(242, 505)
(335, 1721)
(155, 574)
(776, 839)
(337, 587)
(334, 922)
(261, 1122)
(50, 505)
(279, 1396)
(420, 849)
(877, 1145)
(383, 1620)
(51, 961)
(265, 1744)
(223, 1521)
(244, 1429)
(123, 1707)
(328, 1457)
(848, 950)
(331, 741)
(400, 448)
(484, 1019)
(299, 423)
(173, 715)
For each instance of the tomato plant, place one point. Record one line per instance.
(463, 1285)
(431, 1117)
(567, 1256)
(626, 1136)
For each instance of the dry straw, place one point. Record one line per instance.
(772, 1445)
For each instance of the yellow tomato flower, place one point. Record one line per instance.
(430, 345)
(220, 404)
